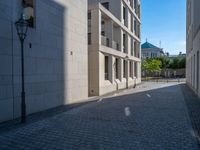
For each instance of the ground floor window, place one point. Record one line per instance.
(106, 68)
(124, 69)
(131, 69)
(89, 39)
(136, 69)
(117, 68)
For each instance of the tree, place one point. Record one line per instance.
(151, 65)
(165, 61)
(177, 63)
(182, 62)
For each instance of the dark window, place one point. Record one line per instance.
(135, 26)
(89, 39)
(135, 69)
(89, 15)
(124, 69)
(135, 4)
(106, 68)
(106, 5)
(116, 68)
(135, 49)
(132, 48)
(124, 43)
(103, 33)
(29, 11)
(124, 13)
(107, 42)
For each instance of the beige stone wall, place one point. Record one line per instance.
(109, 22)
(193, 45)
(56, 57)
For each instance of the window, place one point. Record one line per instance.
(106, 5)
(103, 33)
(132, 48)
(124, 13)
(135, 26)
(89, 39)
(89, 16)
(135, 4)
(103, 27)
(124, 69)
(116, 68)
(139, 11)
(124, 43)
(106, 68)
(135, 69)
(28, 11)
(130, 69)
(131, 3)
(135, 49)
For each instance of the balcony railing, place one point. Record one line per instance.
(115, 45)
(105, 41)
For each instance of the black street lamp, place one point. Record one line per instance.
(22, 27)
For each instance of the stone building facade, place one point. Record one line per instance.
(151, 51)
(114, 45)
(56, 55)
(193, 45)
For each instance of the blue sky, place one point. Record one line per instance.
(165, 21)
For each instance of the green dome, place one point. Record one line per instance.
(149, 45)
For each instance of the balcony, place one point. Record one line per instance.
(115, 45)
(106, 42)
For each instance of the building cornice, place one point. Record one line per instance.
(108, 50)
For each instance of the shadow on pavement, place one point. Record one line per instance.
(193, 105)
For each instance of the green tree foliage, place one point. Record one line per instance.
(182, 63)
(156, 64)
(165, 62)
(151, 65)
(177, 63)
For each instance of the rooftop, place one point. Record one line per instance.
(149, 45)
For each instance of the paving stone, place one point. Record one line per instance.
(160, 122)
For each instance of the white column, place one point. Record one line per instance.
(96, 26)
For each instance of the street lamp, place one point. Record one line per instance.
(22, 27)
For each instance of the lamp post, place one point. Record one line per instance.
(22, 27)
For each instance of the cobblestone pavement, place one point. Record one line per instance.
(153, 117)
(193, 105)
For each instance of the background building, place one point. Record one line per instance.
(151, 51)
(114, 45)
(193, 45)
(56, 55)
